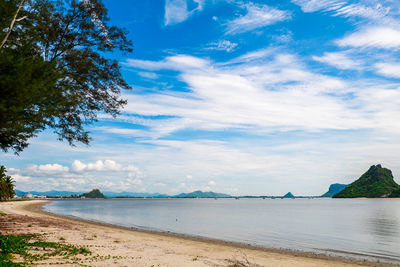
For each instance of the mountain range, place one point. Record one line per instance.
(54, 193)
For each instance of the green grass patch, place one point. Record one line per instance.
(2, 213)
(31, 248)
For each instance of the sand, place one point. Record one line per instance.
(117, 246)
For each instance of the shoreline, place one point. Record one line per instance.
(231, 250)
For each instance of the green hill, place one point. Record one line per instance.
(395, 193)
(334, 189)
(95, 193)
(376, 182)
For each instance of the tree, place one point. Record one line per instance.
(6, 185)
(54, 72)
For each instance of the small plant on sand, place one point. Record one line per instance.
(3, 213)
(62, 238)
(31, 248)
(195, 259)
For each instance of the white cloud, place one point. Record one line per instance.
(257, 16)
(388, 69)
(78, 166)
(176, 11)
(211, 183)
(189, 177)
(177, 62)
(150, 75)
(376, 37)
(102, 166)
(224, 45)
(47, 168)
(339, 60)
(20, 178)
(371, 10)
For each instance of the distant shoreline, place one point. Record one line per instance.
(34, 209)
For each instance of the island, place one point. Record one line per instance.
(377, 182)
(95, 193)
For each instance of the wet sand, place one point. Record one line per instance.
(118, 246)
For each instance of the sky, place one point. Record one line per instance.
(239, 97)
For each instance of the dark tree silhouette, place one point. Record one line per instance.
(53, 69)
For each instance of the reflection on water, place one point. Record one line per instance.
(364, 228)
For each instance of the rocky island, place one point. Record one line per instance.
(377, 182)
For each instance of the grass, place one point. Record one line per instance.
(31, 248)
(2, 213)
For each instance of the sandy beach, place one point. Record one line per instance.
(117, 246)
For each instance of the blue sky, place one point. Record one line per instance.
(240, 97)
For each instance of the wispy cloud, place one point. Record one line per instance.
(223, 45)
(177, 11)
(364, 9)
(340, 60)
(256, 16)
(388, 69)
(375, 37)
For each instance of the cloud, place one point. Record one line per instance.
(371, 10)
(391, 70)
(176, 11)
(223, 45)
(211, 183)
(339, 60)
(102, 166)
(149, 75)
(47, 168)
(376, 37)
(177, 62)
(257, 16)
(20, 178)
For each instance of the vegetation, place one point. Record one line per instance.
(334, 189)
(395, 193)
(6, 185)
(95, 193)
(31, 248)
(53, 73)
(376, 182)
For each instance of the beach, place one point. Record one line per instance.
(118, 246)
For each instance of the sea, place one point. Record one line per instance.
(354, 228)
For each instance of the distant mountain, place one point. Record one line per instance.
(132, 194)
(201, 194)
(288, 195)
(95, 193)
(334, 189)
(52, 193)
(376, 182)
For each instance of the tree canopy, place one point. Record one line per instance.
(53, 69)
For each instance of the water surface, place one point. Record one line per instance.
(357, 228)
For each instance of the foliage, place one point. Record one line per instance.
(27, 245)
(6, 185)
(53, 70)
(95, 193)
(376, 182)
(395, 193)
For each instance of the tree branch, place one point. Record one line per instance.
(12, 23)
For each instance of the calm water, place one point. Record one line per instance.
(359, 228)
